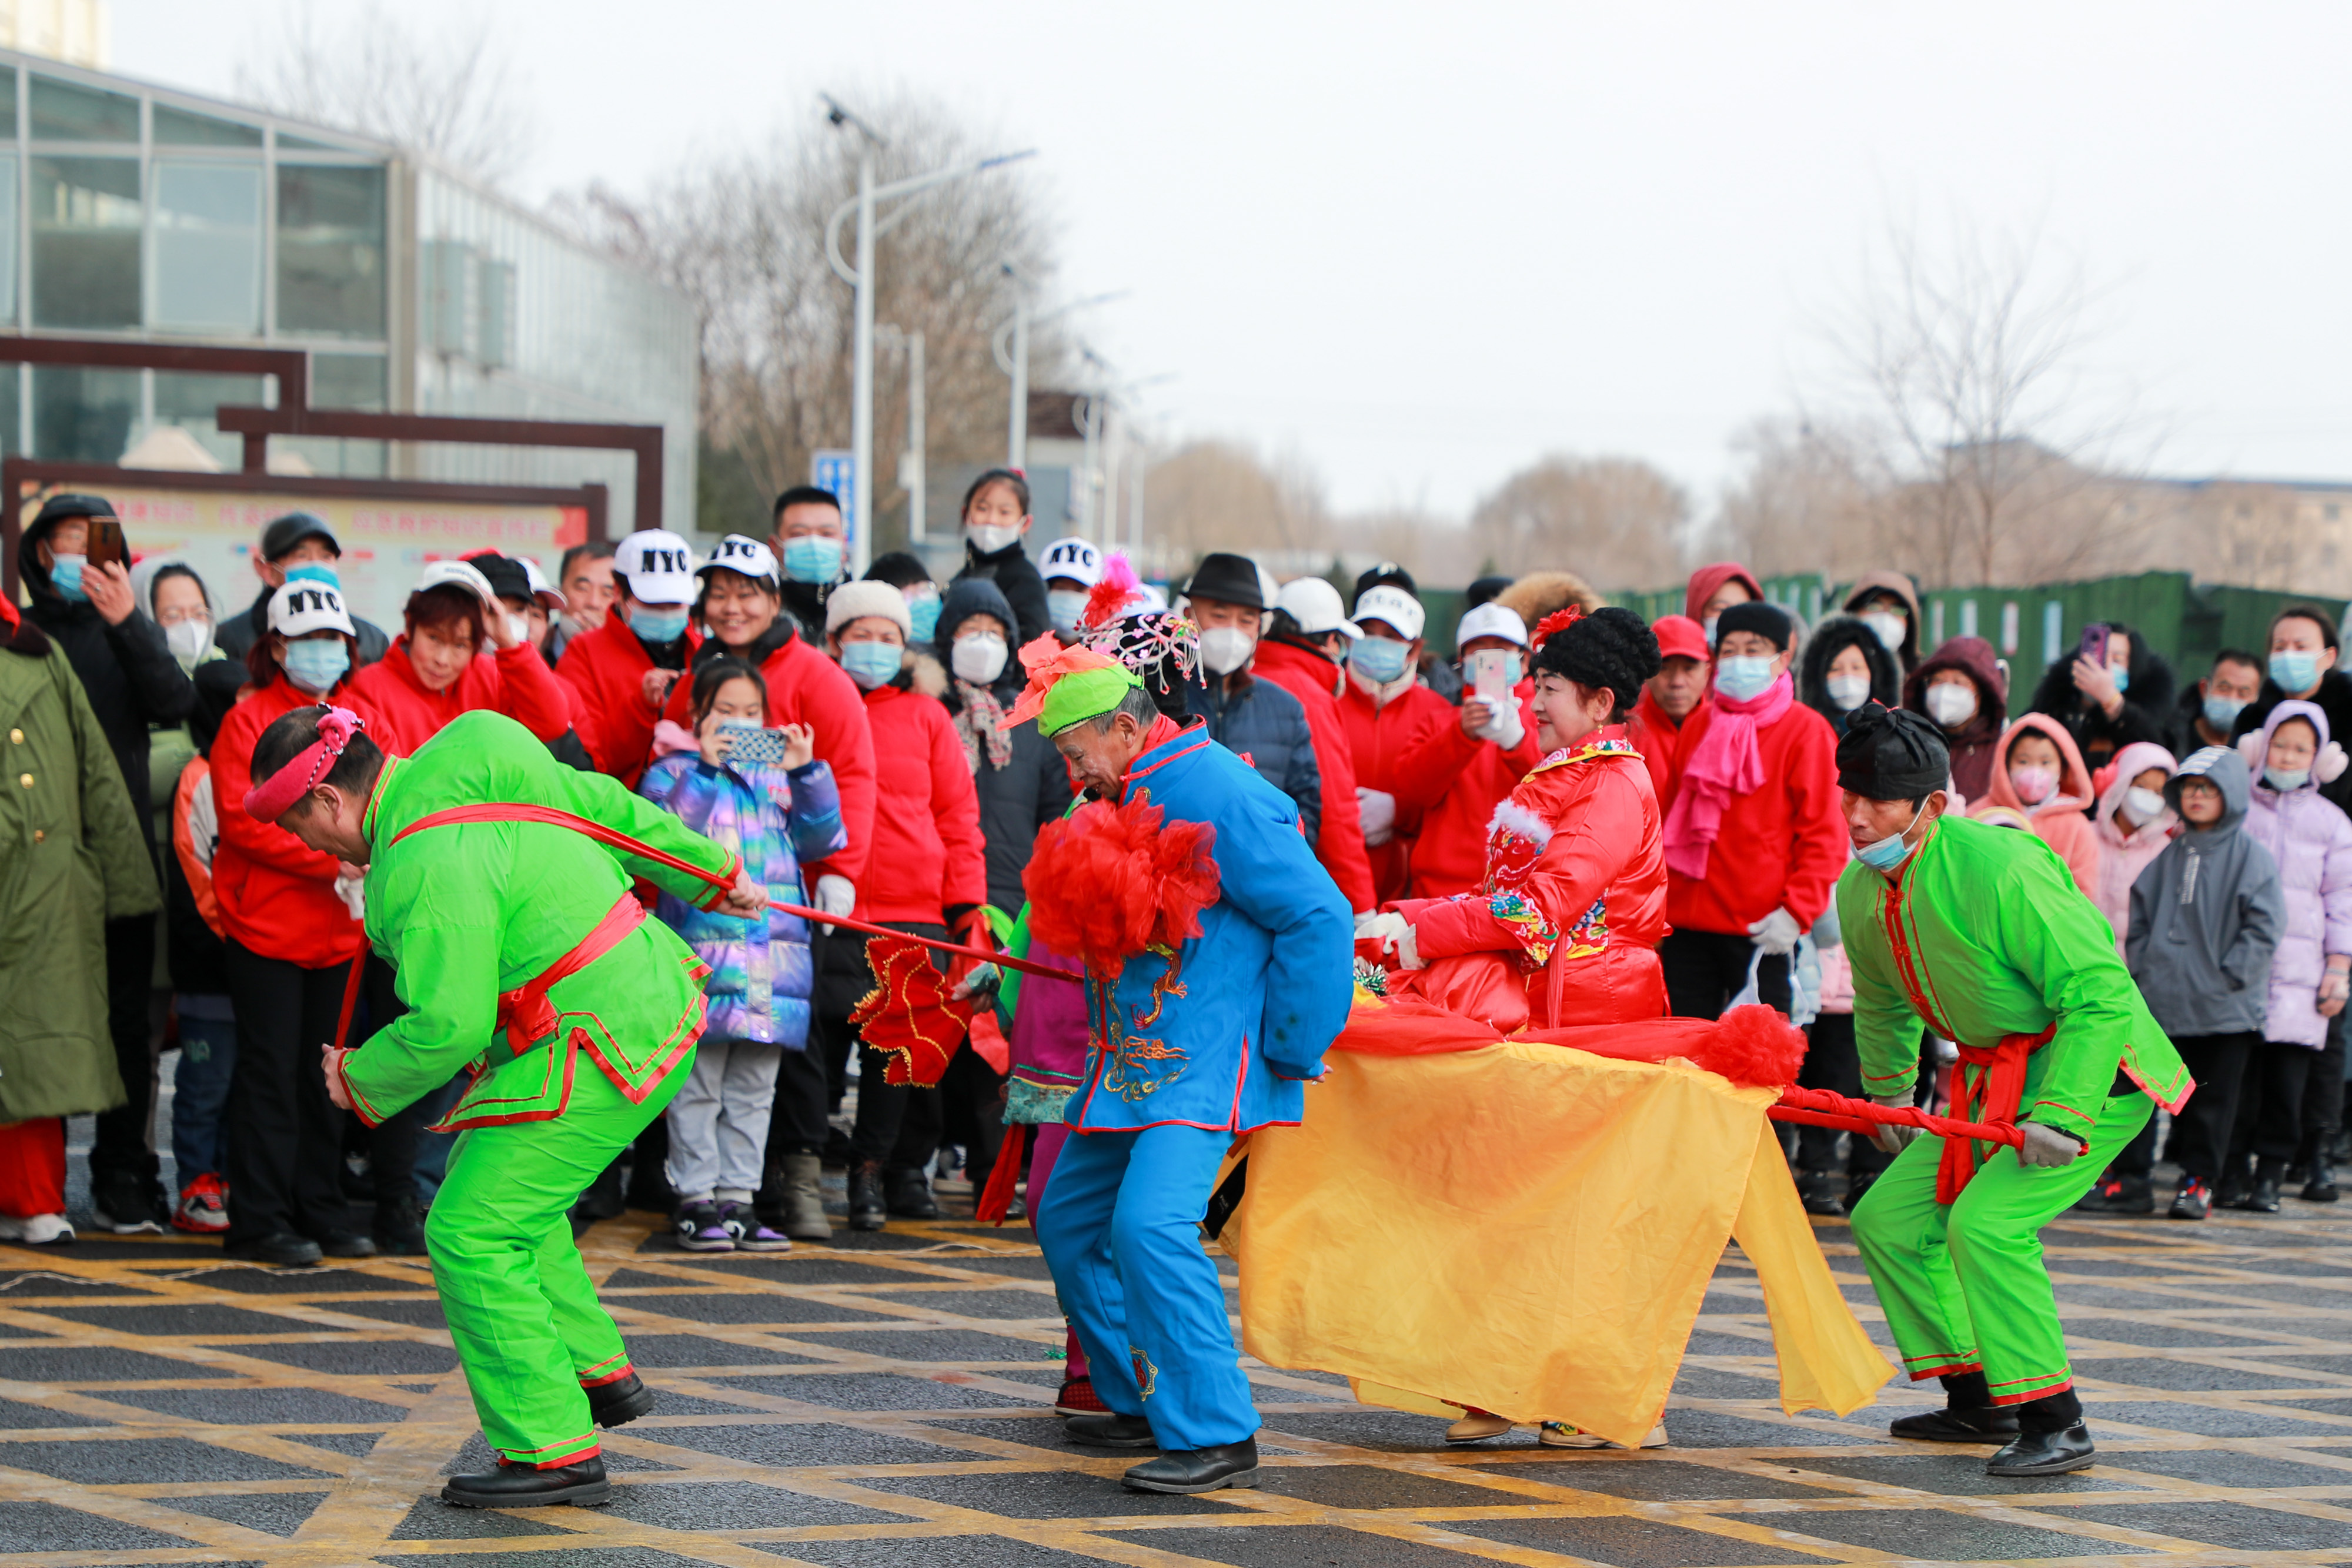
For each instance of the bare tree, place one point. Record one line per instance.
(1220, 495)
(1615, 521)
(449, 96)
(743, 238)
(1993, 453)
(1805, 504)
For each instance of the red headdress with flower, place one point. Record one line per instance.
(1559, 620)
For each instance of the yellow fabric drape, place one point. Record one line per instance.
(1530, 1230)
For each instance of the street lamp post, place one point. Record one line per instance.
(861, 278)
(1010, 345)
(912, 461)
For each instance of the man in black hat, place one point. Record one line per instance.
(1978, 933)
(299, 544)
(1256, 718)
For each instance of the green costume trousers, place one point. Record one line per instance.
(529, 1329)
(1963, 1284)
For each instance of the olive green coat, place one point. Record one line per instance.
(72, 857)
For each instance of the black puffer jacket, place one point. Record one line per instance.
(1015, 575)
(1259, 720)
(2146, 714)
(1833, 636)
(239, 633)
(1033, 787)
(127, 671)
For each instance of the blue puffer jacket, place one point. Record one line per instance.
(758, 990)
(1265, 724)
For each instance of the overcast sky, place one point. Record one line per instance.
(1420, 245)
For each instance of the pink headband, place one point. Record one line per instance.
(275, 796)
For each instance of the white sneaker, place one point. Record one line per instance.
(40, 1229)
(1560, 1435)
(1476, 1427)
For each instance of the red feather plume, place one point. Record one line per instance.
(1111, 594)
(1557, 621)
(1753, 1044)
(1110, 882)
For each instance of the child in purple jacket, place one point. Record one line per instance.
(2311, 839)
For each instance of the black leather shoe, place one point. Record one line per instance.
(1198, 1470)
(1111, 1430)
(1818, 1189)
(2321, 1187)
(2045, 1453)
(866, 1210)
(399, 1229)
(2264, 1196)
(1994, 1424)
(521, 1485)
(619, 1402)
(346, 1244)
(908, 1194)
(279, 1250)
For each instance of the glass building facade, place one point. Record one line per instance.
(128, 211)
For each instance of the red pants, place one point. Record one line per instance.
(33, 1167)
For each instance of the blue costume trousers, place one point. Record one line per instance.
(1120, 1228)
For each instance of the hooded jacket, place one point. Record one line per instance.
(2147, 710)
(2207, 914)
(1833, 636)
(127, 670)
(1033, 787)
(1871, 584)
(1313, 679)
(1707, 579)
(236, 635)
(2059, 820)
(1971, 745)
(2334, 697)
(2124, 855)
(2310, 839)
(1015, 575)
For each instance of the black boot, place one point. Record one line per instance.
(619, 1402)
(1198, 1470)
(1991, 1423)
(399, 1229)
(866, 1210)
(2263, 1199)
(2045, 1453)
(2321, 1187)
(908, 1194)
(2231, 1190)
(521, 1486)
(1111, 1430)
(1819, 1191)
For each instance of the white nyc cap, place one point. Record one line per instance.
(658, 567)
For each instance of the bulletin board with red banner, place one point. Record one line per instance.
(389, 529)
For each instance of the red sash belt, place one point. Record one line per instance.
(526, 1014)
(1993, 1096)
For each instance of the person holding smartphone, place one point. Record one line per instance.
(74, 560)
(2113, 691)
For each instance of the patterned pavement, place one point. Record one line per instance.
(885, 1403)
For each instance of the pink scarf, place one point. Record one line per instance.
(1726, 763)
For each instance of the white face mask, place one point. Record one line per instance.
(2143, 805)
(519, 627)
(1226, 648)
(1849, 692)
(979, 658)
(993, 536)
(1889, 627)
(1951, 706)
(187, 638)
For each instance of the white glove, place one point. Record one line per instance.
(353, 890)
(1893, 1140)
(836, 895)
(1505, 731)
(1378, 809)
(1389, 931)
(2047, 1146)
(1777, 932)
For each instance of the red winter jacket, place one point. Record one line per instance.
(1783, 847)
(276, 897)
(515, 681)
(806, 687)
(1340, 842)
(929, 858)
(1453, 784)
(1662, 742)
(606, 670)
(1378, 739)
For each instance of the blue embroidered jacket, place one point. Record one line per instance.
(1226, 1034)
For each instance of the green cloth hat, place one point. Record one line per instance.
(1084, 694)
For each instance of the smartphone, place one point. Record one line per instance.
(757, 745)
(105, 542)
(2093, 645)
(1490, 678)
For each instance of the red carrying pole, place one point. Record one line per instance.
(1821, 1108)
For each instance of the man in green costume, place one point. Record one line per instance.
(520, 954)
(1978, 933)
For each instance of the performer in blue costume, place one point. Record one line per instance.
(1188, 1052)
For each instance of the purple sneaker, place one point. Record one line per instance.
(698, 1228)
(748, 1234)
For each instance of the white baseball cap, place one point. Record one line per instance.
(1074, 559)
(462, 574)
(1491, 619)
(747, 555)
(657, 566)
(1392, 606)
(542, 589)
(307, 605)
(1315, 605)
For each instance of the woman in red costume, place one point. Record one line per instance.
(1564, 927)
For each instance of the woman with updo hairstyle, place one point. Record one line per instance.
(1564, 927)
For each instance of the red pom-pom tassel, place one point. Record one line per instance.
(1110, 882)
